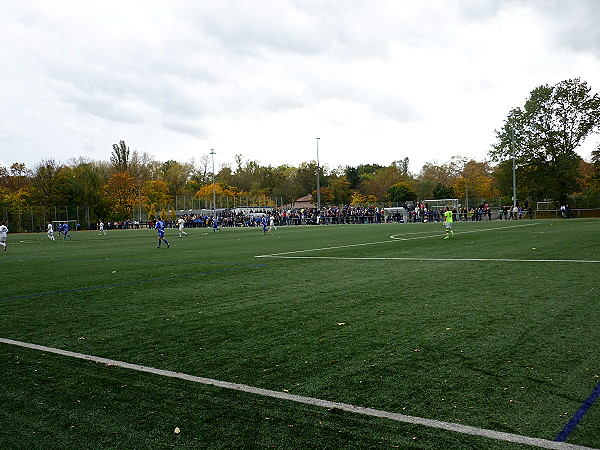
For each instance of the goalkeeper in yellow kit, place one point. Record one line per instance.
(448, 220)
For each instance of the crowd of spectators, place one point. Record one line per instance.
(418, 212)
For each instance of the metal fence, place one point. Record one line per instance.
(35, 219)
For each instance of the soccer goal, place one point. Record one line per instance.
(547, 206)
(56, 224)
(440, 203)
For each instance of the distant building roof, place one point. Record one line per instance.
(302, 202)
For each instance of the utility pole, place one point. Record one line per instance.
(212, 152)
(318, 180)
(512, 143)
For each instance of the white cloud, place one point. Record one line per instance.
(376, 81)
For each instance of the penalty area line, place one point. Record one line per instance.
(415, 420)
(378, 258)
(393, 238)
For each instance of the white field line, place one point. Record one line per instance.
(393, 238)
(499, 228)
(457, 428)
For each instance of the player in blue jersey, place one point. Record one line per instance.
(160, 227)
(215, 225)
(65, 231)
(264, 222)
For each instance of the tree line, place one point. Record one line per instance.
(541, 138)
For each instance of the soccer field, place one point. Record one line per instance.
(349, 336)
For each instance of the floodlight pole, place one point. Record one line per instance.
(140, 193)
(212, 152)
(318, 180)
(467, 193)
(512, 143)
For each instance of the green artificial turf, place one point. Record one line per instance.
(413, 324)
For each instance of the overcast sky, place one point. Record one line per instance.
(376, 81)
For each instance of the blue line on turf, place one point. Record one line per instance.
(570, 426)
(66, 291)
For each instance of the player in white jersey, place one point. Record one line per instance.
(272, 223)
(101, 228)
(51, 232)
(181, 223)
(3, 234)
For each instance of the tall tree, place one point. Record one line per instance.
(121, 192)
(176, 175)
(553, 123)
(52, 184)
(352, 176)
(443, 191)
(156, 194)
(432, 174)
(87, 182)
(475, 180)
(401, 193)
(342, 193)
(378, 181)
(120, 157)
(15, 185)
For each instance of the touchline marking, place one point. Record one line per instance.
(464, 429)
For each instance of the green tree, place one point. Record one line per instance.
(176, 175)
(431, 175)
(353, 177)
(15, 185)
(443, 191)
(52, 184)
(88, 178)
(376, 179)
(342, 193)
(401, 193)
(553, 123)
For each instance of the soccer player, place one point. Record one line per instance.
(272, 222)
(215, 225)
(181, 223)
(264, 223)
(3, 233)
(65, 230)
(160, 227)
(51, 232)
(448, 219)
(101, 229)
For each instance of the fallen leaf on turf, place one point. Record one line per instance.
(176, 430)
(341, 323)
